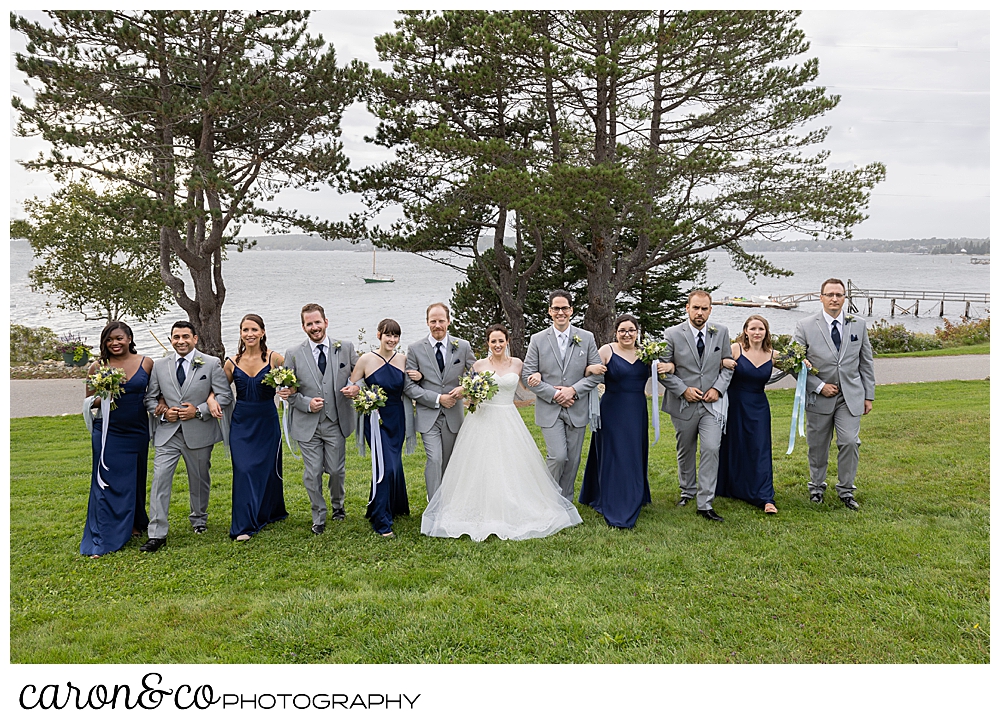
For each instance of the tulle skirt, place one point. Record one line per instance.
(497, 483)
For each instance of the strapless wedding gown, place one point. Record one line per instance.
(496, 482)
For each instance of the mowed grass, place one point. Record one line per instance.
(981, 348)
(904, 580)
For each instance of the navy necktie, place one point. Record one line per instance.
(321, 360)
(835, 335)
(440, 357)
(180, 372)
(701, 345)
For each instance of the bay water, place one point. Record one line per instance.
(276, 284)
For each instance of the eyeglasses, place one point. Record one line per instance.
(630, 332)
(833, 296)
(559, 309)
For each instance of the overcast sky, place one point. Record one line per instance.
(914, 89)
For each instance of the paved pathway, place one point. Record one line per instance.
(65, 397)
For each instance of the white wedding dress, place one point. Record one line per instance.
(496, 482)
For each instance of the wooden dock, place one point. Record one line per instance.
(856, 294)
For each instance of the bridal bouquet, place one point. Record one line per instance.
(479, 386)
(651, 351)
(370, 398)
(281, 377)
(790, 359)
(108, 383)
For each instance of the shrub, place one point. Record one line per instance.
(31, 344)
(973, 331)
(886, 338)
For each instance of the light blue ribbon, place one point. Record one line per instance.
(798, 409)
(656, 400)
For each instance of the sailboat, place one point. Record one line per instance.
(375, 279)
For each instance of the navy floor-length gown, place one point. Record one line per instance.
(114, 512)
(745, 470)
(390, 494)
(255, 445)
(616, 480)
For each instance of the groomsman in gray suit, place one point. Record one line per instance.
(691, 398)
(561, 355)
(838, 348)
(435, 366)
(186, 427)
(322, 414)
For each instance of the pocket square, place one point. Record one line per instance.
(203, 377)
(854, 338)
(343, 364)
(717, 349)
(456, 361)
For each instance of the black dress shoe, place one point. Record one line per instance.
(711, 515)
(199, 529)
(682, 502)
(152, 545)
(816, 498)
(318, 528)
(338, 514)
(851, 503)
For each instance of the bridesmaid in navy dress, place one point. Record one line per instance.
(616, 480)
(254, 434)
(385, 368)
(745, 470)
(117, 512)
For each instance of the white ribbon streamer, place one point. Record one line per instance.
(105, 421)
(656, 400)
(378, 465)
(285, 416)
(798, 409)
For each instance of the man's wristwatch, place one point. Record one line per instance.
(197, 414)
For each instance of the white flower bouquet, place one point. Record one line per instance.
(370, 398)
(478, 387)
(281, 377)
(108, 383)
(650, 351)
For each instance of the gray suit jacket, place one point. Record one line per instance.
(543, 356)
(690, 371)
(458, 361)
(203, 379)
(852, 369)
(339, 365)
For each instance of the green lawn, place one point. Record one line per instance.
(905, 580)
(983, 348)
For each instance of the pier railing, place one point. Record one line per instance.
(895, 296)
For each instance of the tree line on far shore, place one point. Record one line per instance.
(604, 152)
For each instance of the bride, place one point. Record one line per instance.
(496, 482)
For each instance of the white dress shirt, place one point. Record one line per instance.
(695, 332)
(563, 339)
(829, 330)
(445, 345)
(315, 350)
(188, 359)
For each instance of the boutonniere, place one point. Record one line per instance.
(454, 344)
(576, 340)
(712, 329)
(336, 345)
(849, 318)
(198, 362)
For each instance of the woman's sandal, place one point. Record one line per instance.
(243, 537)
(770, 509)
